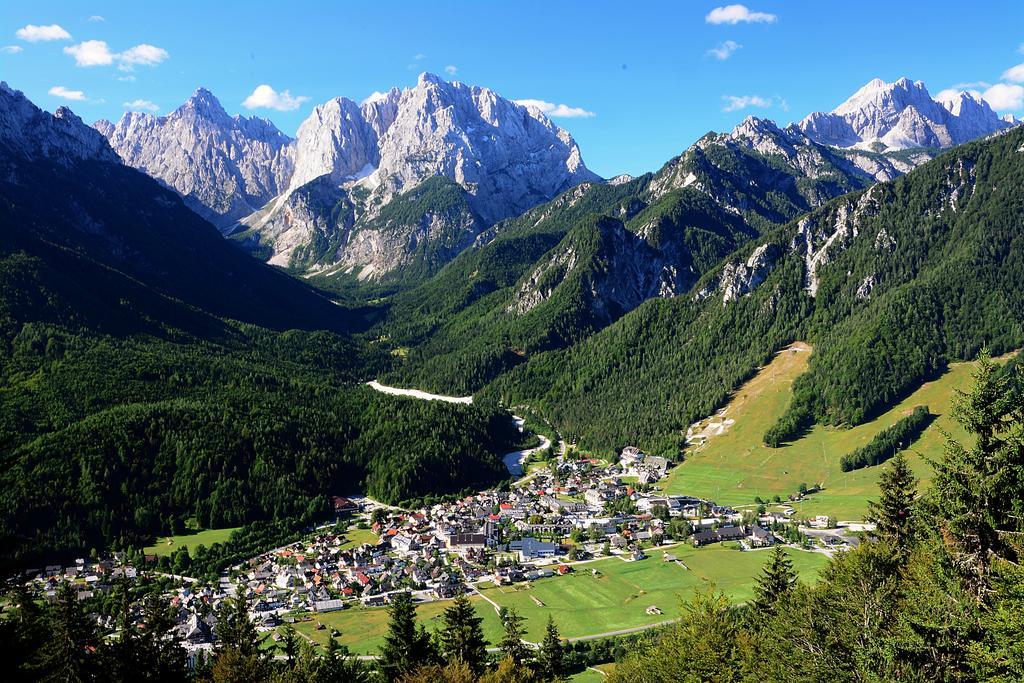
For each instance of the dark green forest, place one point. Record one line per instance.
(943, 247)
(151, 373)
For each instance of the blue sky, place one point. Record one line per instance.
(644, 70)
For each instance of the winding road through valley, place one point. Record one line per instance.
(513, 461)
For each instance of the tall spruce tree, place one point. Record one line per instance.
(406, 646)
(893, 514)
(776, 580)
(978, 492)
(512, 645)
(462, 636)
(551, 657)
(235, 628)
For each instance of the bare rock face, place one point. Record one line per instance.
(507, 157)
(503, 159)
(340, 140)
(902, 115)
(31, 133)
(739, 279)
(304, 225)
(224, 167)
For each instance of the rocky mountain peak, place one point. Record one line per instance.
(224, 166)
(28, 132)
(901, 115)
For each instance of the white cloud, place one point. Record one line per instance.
(451, 69)
(96, 17)
(91, 53)
(1005, 97)
(265, 97)
(735, 103)
(141, 105)
(35, 34)
(66, 94)
(98, 53)
(375, 96)
(419, 57)
(141, 55)
(724, 50)
(1014, 74)
(734, 14)
(11, 49)
(553, 110)
(126, 79)
(951, 94)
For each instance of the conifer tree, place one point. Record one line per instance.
(893, 514)
(406, 646)
(977, 491)
(776, 580)
(551, 658)
(69, 656)
(512, 645)
(235, 628)
(462, 637)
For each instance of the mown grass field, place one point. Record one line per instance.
(581, 603)
(584, 604)
(363, 628)
(591, 676)
(734, 467)
(191, 541)
(355, 537)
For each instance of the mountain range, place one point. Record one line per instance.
(339, 201)
(902, 115)
(141, 346)
(319, 201)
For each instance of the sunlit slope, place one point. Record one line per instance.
(735, 466)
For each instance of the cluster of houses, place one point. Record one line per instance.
(576, 509)
(88, 577)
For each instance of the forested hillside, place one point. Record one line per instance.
(148, 374)
(888, 284)
(554, 276)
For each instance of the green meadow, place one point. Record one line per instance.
(168, 544)
(735, 467)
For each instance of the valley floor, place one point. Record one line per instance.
(600, 598)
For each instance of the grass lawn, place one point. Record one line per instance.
(584, 604)
(356, 537)
(581, 604)
(734, 467)
(363, 628)
(168, 544)
(588, 676)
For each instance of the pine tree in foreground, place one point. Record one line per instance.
(406, 646)
(776, 580)
(462, 636)
(512, 645)
(551, 658)
(893, 514)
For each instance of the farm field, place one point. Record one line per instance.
(581, 603)
(584, 604)
(168, 544)
(735, 466)
(363, 628)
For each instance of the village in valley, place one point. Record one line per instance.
(568, 513)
